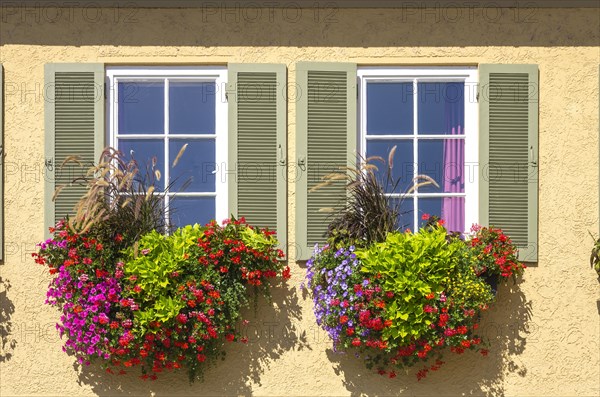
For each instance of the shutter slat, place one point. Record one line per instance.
(508, 116)
(326, 133)
(74, 127)
(257, 128)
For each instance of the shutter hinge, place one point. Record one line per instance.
(105, 89)
(477, 97)
(49, 163)
(226, 96)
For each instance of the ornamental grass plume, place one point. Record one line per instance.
(369, 213)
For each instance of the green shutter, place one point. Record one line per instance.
(74, 124)
(325, 141)
(257, 145)
(1, 162)
(508, 99)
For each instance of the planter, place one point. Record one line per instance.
(491, 280)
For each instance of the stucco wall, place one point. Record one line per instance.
(545, 334)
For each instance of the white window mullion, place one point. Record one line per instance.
(166, 153)
(415, 154)
(472, 166)
(221, 150)
(113, 124)
(363, 119)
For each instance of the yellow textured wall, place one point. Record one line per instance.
(545, 334)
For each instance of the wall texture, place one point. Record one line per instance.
(545, 334)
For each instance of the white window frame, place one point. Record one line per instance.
(116, 74)
(469, 76)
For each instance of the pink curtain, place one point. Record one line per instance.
(453, 208)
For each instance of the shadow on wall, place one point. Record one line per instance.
(272, 331)
(7, 309)
(296, 27)
(506, 325)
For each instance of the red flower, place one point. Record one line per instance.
(350, 331)
(286, 273)
(201, 357)
(425, 217)
(484, 352)
(356, 342)
(343, 319)
(430, 296)
(230, 337)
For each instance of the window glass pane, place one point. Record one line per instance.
(444, 161)
(189, 210)
(450, 209)
(194, 170)
(406, 215)
(441, 108)
(453, 212)
(191, 107)
(389, 108)
(143, 151)
(429, 205)
(141, 108)
(403, 162)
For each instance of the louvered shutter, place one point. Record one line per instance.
(508, 117)
(1, 162)
(326, 141)
(74, 126)
(257, 145)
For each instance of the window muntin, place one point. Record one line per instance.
(154, 112)
(430, 115)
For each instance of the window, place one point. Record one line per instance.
(430, 115)
(153, 113)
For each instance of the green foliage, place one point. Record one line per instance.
(495, 254)
(257, 240)
(413, 266)
(154, 264)
(595, 256)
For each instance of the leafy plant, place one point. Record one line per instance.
(495, 253)
(595, 256)
(400, 302)
(369, 213)
(171, 301)
(131, 295)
